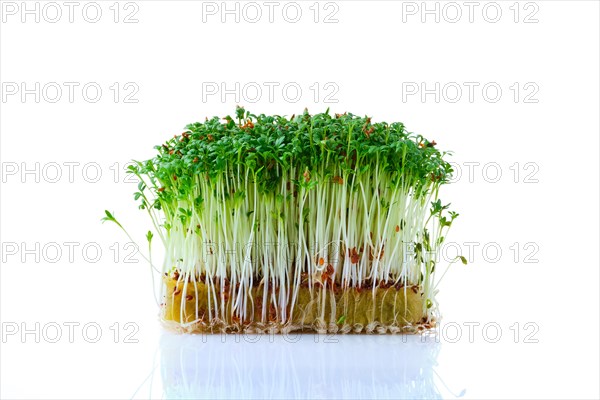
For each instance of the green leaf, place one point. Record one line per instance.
(109, 216)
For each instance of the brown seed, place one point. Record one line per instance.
(306, 176)
(189, 297)
(338, 179)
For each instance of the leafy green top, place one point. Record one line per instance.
(330, 146)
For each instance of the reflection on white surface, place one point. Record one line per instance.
(297, 366)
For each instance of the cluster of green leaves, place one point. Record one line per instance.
(268, 145)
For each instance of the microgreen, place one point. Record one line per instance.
(337, 190)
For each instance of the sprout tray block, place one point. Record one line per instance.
(327, 223)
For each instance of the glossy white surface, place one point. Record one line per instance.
(166, 365)
(298, 366)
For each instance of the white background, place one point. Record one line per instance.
(542, 293)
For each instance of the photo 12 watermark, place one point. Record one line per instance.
(494, 172)
(485, 332)
(69, 92)
(54, 12)
(271, 92)
(452, 12)
(69, 332)
(252, 12)
(470, 92)
(69, 252)
(58, 172)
